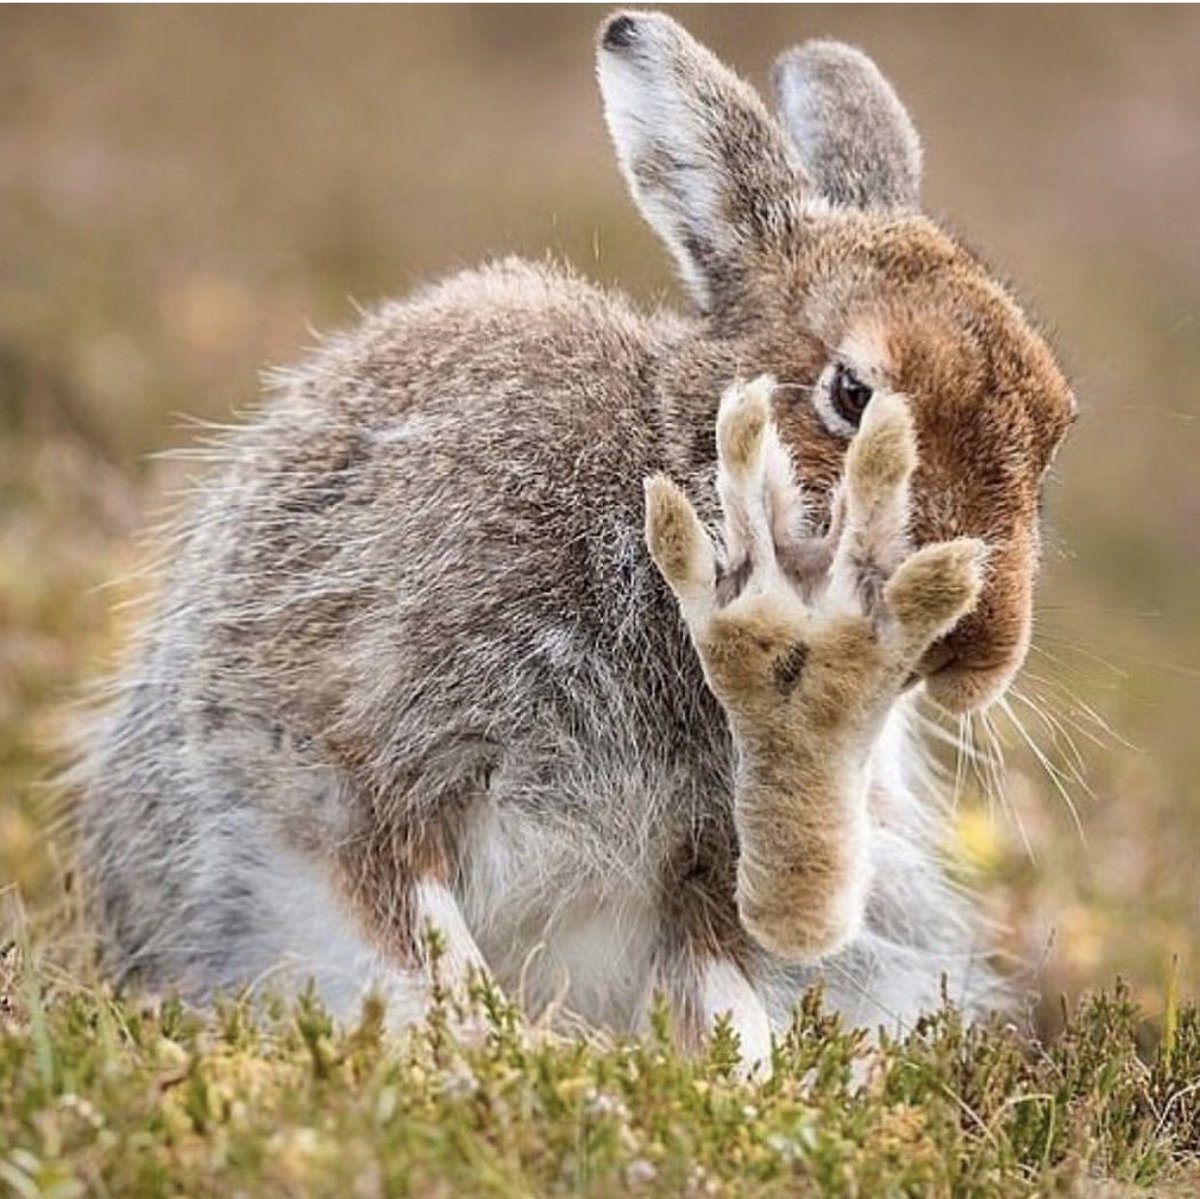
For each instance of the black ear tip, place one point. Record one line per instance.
(620, 33)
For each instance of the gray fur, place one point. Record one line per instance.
(419, 582)
(703, 158)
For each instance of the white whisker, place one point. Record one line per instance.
(1052, 772)
(997, 773)
(1060, 739)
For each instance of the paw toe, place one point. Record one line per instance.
(884, 454)
(676, 539)
(742, 422)
(937, 586)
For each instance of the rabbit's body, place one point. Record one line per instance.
(413, 663)
(344, 630)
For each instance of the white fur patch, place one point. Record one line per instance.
(436, 905)
(551, 938)
(725, 990)
(318, 939)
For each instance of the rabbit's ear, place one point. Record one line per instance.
(854, 138)
(706, 162)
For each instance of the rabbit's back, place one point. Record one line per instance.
(438, 524)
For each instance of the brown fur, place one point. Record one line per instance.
(982, 387)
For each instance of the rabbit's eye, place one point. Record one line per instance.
(848, 394)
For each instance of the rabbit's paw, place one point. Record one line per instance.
(807, 674)
(776, 661)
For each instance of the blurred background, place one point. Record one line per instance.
(186, 194)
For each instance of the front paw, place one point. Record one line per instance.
(748, 622)
(806, 679)
(768, 654)
(911, 599)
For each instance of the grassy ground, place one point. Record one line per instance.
(108, 1098)
(185, 193)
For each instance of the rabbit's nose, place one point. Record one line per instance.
(971, 666)
(974, 663)
(961, 681)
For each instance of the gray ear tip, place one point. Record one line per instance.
(821, 58)
(823, 47)
(853, 135)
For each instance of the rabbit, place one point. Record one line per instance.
(447, 641)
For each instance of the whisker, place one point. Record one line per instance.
(972, 756)
(1059, 737)
(959, 759)
(1073, 708)
(996, 764)
(1052, 771)
(1064, 643)
(987, 763)
(984, 754)
(1073, 705)
(1105, 727)
(1061, 695)
(997, 774)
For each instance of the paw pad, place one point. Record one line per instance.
(789, 667)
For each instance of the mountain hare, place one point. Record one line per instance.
(447, 640)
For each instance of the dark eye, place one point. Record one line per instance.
(848, 394)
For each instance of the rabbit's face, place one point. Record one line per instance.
(800, 239)
(875, 305)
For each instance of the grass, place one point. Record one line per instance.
(101, 1096)
(185, 192)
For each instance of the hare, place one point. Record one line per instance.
(447, 639)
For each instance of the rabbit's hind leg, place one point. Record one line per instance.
(400, 893)
(725, 991)
(702, 987)
(700, 964)
(311, 937)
